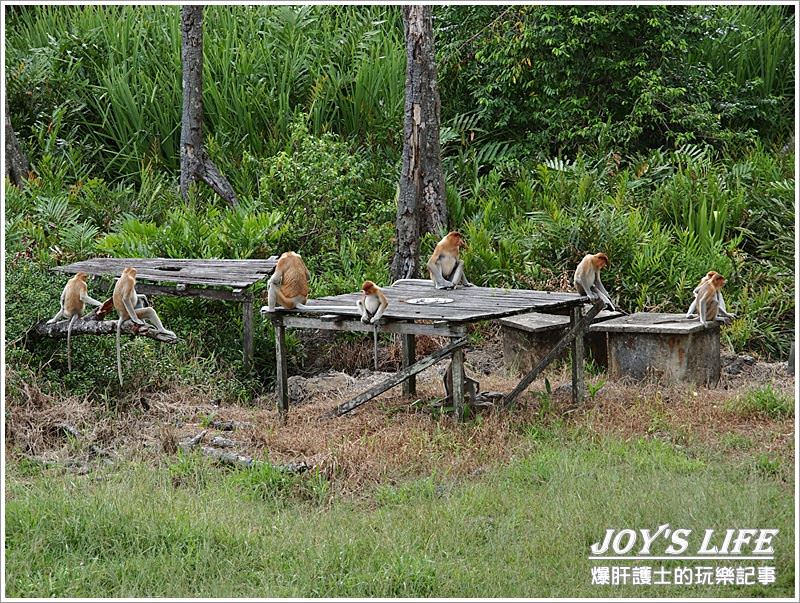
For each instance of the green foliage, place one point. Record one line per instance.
(560, 78)
(115, 69)
(242, 232)
(764, 401)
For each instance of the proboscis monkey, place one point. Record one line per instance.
(372, 304)
(288, 285)
(587, 278)
(722, 310)
(445, 267)
(127, 304)
(74, 298)
(707, 296)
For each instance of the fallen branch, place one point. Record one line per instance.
(92, 324)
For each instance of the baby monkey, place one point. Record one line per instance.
(372, 304)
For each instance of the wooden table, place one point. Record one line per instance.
(469, 305)
(227, 280)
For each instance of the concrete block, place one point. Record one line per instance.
(666, 347)
(527, 338)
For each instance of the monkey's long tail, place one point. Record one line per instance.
(375, 345)
(119, 353)
(69, 345)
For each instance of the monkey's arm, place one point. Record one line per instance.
(131, 311)
(362, 307)
(88, 300)
(459, 277)
(273, 284)
(381, 309)
(722, 310)
(690, 312)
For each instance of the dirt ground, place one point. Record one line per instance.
(394, 437)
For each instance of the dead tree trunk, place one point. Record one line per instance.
(94, 323)
(195, 162)
(17, 166)
(421, 204)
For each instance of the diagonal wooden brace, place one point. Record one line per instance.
(579, 328)
(396, 379)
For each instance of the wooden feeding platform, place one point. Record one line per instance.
(667, 347)
(527, 338)
(417, 308)
(225, 280)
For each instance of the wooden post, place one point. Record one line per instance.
(247, 331)
(409, 358)
(282, 369)
(576, 315)
(577, 329)
(457, 366)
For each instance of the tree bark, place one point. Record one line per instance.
(195, 162)
(421, 204)
(17, 166)
(94, 324)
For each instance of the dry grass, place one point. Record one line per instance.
(393, 438)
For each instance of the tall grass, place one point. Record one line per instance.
(262, 65)
(756, 45)
(525, 530)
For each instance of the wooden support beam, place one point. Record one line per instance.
(457, 367)
(577, 357)
(282, 367)
(352, 324)
(396, 379)
(247, 331)
(409, 358)
(577, 329)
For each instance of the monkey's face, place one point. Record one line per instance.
(81, 276)
(368, 287)
(130, 271)
(602, 260)
(458, 239)
(718, 280)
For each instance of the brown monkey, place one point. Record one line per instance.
(126, 303)
(587, 278)
(288, 285)
(445, 267)
(708, 299)
(722, 310)
(372, 304)
(74, 298)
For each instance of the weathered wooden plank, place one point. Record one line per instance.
(219, 295)
(349, 324)
(409, 357)
(576, 330)
(228, 273)
(397, 378)
(577, 358)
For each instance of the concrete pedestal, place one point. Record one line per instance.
(666, 347)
